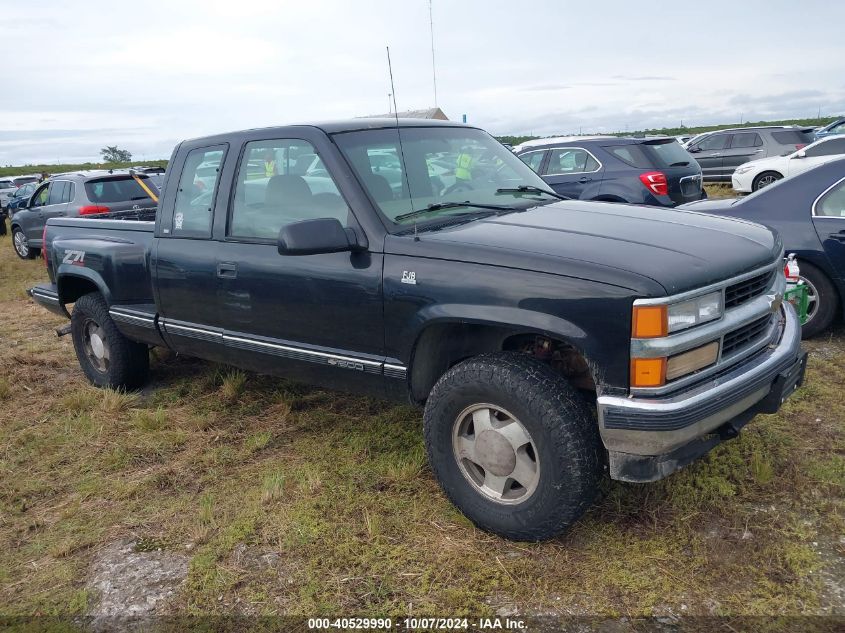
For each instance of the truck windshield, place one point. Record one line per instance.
(441, 165)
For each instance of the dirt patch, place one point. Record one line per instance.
(127, 583)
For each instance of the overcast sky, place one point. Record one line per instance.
(81, 75)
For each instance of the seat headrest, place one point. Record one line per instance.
(287, 189)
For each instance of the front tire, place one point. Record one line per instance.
(765, 179)
(824, 300)
(108, 358)
(21, 245)
(513, 446)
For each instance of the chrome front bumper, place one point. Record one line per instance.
(656, 428)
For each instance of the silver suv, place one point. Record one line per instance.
(86, 193)
(719, 153)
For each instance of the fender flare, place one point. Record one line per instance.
(517, 320)
(69, 272)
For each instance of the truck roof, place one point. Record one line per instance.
(344, 125)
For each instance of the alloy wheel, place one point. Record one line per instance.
(496, 454)
(20, 243)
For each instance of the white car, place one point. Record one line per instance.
(756, 174)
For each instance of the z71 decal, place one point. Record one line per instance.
(74, 257)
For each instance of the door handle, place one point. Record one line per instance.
(715, 155)
(838, 236)
(227, 270)
(584, 179)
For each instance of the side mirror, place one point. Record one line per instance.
(693, 150)
(801, 154)
(323, 235)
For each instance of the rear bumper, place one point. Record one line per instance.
(649, 438)
(47, 296)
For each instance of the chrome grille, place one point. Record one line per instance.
(745, 335)
(738, 293)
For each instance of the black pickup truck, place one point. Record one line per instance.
(550, 341)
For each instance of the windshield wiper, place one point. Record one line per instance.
(438, 206)
(532, 189)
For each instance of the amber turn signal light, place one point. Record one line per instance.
(649, 322)
(648, 372)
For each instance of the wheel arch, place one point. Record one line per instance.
(72, 286)
(444, 343)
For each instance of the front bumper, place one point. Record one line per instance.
(650, 438)
(742, 183)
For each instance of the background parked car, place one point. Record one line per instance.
(656, 171)
(831, 129)
(19, 197)
(72, 195)
(7, 188)
(757, 174)
(808, 210)
(720, 153)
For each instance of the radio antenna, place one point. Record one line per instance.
(399, 136)
(433, 66)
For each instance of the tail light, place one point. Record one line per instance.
(93, 209)
(655, 182)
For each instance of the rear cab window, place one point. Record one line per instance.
(194, 207)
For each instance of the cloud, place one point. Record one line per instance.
(644, 78)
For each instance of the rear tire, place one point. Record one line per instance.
(108, 358)
(513, 446)
(765, 179)
(824, 300)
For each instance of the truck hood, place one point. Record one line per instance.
(650, 250)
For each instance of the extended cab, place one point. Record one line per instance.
(550, 341)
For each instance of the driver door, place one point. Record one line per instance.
(317, 318)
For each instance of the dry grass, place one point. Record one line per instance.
(208, 458)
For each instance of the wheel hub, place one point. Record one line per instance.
(97, 346)
(495, 453)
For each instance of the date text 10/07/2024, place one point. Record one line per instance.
(417, 624)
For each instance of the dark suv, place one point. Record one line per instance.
(655, 171)
(719, 153)
(75, 194)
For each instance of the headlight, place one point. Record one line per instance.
(650, 321)
(681, 316)
(744, 168)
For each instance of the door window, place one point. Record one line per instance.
(57, 192)
(570, 160)
(832, 204)
(284, 181)
(716, 141)
(195, 195)
(839, 129)
(41, 196)
(746, 139)
(69, 191)
(533, 159)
